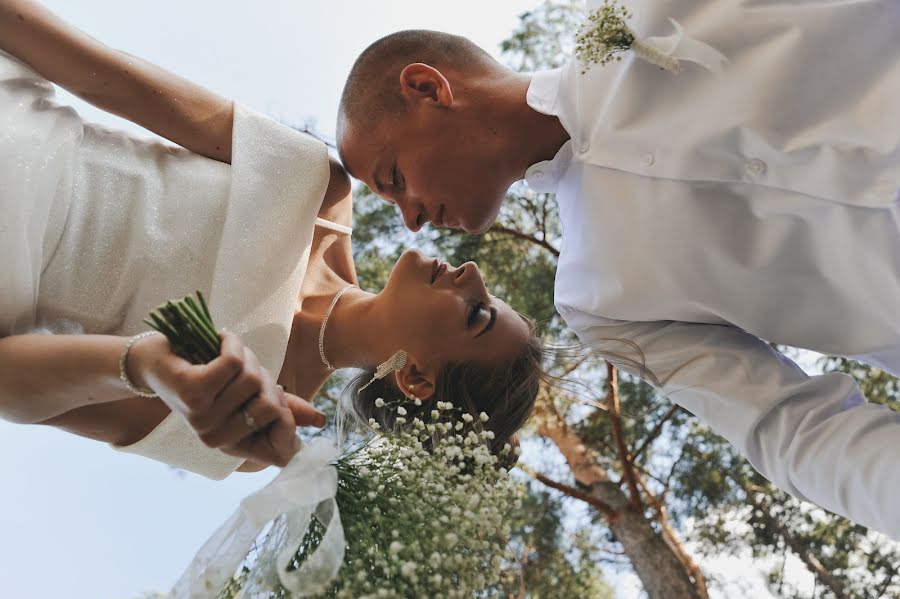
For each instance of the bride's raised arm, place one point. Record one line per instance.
(171, 106)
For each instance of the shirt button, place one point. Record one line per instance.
(756, 166)
(538, 174)
(647, 159)
(584, 147)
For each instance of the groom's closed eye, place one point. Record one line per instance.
(394, 181)
(396, 178)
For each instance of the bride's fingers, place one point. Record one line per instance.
(253, 381)
(250, 418)
(282, 439)
(249, 378)
(276, 444)
(303, 412)
(225, 368)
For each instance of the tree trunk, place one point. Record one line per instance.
(662, 573)
(677, 546)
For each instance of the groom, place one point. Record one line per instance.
(701, 213)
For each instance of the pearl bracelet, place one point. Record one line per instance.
(124, 375)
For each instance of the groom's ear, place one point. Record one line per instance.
(423, 83)
(416, 380)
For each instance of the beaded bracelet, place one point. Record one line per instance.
(124, 375)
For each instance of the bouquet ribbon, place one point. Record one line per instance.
(306, 486)
(680, 46)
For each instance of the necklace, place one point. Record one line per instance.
(337, 296)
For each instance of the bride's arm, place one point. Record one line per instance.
(169, 105)
(43, 376)
(72, 382)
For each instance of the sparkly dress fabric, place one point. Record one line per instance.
(98, 227)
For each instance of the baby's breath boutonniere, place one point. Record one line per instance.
(606, 35)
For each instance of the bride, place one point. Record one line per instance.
(98, 228)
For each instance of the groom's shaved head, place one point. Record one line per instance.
(373, 85)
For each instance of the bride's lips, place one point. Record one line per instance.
(438, 268)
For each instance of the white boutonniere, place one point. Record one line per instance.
(606, 35)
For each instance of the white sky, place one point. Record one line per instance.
(77, 519)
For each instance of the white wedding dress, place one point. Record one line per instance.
(97, 228)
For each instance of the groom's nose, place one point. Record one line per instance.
(413, 214)
(411, 210)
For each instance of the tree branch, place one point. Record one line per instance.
(657, 430)
(834, 584)
(612, 386)
(530, 238)
(602, 507)
(674, 542)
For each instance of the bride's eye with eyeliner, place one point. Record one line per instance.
(474, 312)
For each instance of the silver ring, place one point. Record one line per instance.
(248, 419)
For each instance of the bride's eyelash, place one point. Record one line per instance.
(473, 313)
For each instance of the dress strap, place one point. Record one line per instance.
(334, 226)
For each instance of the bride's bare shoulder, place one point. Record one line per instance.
(337, 205)
(339, 180)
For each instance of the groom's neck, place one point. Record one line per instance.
(529, 136)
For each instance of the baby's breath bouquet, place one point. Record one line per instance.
(422, 509)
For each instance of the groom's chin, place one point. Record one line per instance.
(478, 229)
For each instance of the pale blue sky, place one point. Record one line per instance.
(81, 521)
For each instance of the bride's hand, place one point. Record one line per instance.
(233, 403)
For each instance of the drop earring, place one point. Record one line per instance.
(393, 364)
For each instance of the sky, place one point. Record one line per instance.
(81, 521)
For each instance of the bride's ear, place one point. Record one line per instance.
(416, 380)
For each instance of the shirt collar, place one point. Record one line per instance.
(544, 177)
(543, 92)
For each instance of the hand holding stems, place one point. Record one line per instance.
(219, 386)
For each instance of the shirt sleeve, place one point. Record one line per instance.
(815, 437)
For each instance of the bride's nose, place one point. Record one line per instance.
(466, 273)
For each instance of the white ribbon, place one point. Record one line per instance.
(668, 51)
(305, 486)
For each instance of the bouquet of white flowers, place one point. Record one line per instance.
(417, 512)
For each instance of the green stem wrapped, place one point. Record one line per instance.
(188, 326)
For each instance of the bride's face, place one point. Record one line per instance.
(442, 314)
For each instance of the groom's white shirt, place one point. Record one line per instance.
(702, 214)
